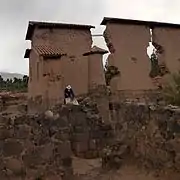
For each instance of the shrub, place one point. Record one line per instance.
(171, 91)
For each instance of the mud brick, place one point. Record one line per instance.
(92, 144)
(78, 137)
(80, 147)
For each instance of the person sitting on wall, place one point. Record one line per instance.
(69, 97)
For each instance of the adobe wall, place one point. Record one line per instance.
(169, 41)
(35, 83)
(61, 72)
(96, 71)
(128, 47)
(52, 87)
(74, 43)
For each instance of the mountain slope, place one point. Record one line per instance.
(6, 75)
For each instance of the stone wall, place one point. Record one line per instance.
(151, 133)
(33, 148)
(166, 41)
(89, 133)
(41, 147)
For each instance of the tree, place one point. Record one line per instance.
(14, 85)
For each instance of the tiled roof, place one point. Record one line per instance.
(95, 50)
(150, 24)
(48, 51)
(33, 24)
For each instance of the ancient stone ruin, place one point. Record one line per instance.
(37, 147)
(127, 41)
(61, 54)
(105, 125)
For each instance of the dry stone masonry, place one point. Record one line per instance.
(35, 147)
(152, 135)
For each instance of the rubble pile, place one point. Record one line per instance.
(113, 156)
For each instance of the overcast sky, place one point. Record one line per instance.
(15, 14)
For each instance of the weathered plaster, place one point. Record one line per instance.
(130, 55)
(55, 74)
(169, 40)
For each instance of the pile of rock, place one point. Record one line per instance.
(112, 156)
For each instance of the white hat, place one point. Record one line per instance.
(68, 87)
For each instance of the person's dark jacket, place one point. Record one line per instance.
(68, 93)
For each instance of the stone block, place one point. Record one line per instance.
(15, 166)
(63, 149)
(96, 134)
(22, 131)
(5, 133)
(62, 136)
(80, 147)
(78, 137)
(92, 144)
(53, 177)
(12, 148)
(79, 129)
(32, 158)
(47, 152)
(67, 162)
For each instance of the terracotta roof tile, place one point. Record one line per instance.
(48, 51)
(96, 50)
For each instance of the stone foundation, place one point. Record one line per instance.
(152, 133)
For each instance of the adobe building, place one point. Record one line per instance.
(128, 44)
(168, 39)
(56, 60)
(128, 40)
(61, 54)
(96, 75)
